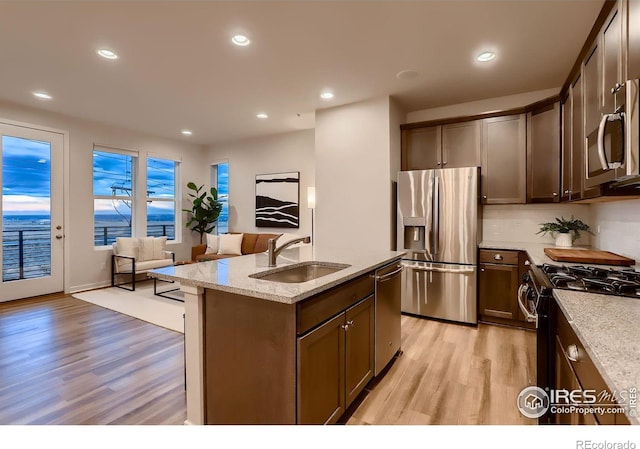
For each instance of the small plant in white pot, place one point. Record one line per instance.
(564, 231)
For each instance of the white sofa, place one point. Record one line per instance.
(133, 256)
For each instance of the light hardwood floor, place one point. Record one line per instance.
(64, 361)
(452, 374)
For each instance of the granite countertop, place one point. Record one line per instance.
(537, 255)
(232, 274)
(607, 326)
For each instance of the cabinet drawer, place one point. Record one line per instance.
(501, 257)
(587, 373)
(323, 306)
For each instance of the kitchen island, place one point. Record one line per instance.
(253, 346)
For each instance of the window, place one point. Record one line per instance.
(161, 197)
(113, 195)
(220, 180)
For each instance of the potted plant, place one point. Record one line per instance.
(205, 209)
(564, 231)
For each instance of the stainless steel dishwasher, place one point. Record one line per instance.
(387, 300)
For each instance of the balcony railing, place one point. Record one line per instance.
(106, 235)
(26, 252)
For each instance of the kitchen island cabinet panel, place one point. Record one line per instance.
(250, 350)
(359, 344)
(321, 373)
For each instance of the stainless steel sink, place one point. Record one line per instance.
(301, 272)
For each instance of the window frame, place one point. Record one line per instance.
(177, 195)
(135, 158)
(214, 183)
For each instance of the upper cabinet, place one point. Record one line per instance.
(421, 148)
(504, 154)
(612, 57)
(543, 154)
(633, 39)
(442, 146)
(461, 144)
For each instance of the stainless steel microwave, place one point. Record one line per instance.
(612, 150)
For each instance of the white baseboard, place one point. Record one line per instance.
(93, 286)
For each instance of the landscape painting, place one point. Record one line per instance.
(277, 200)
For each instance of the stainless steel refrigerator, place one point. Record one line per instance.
(439, 226)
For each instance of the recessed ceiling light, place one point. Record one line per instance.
(42, 95)
(262, 115)
(406, 74)
(187, 132)
(107, 54)
(486, 56)
(327, 95)
(240, 40)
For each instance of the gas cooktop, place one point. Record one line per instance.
(594, 279)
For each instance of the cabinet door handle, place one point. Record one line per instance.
(345, 326)
(484, 197)
(527, 263)
(350, 323)
(555, 193)
(498, 257)
(572, 353)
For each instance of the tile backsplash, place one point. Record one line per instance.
(520, 222)
(619, 227)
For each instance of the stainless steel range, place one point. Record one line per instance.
(619, 282)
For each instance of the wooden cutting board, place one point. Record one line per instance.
(588, 256)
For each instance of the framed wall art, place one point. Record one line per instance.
(278, 200)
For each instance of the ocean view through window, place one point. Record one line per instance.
(113, 195)
(220, 180)
(161, 197)
(26, 218)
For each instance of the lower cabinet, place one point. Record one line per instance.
(335, 363)
(500, 274)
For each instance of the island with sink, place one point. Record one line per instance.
(290, 344)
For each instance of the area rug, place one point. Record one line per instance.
(141, 304)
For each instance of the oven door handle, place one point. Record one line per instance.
(531, 318)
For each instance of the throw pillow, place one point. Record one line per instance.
(127, 246)
(212, 244)
(159, 247)
(230, 244)
(145, 248)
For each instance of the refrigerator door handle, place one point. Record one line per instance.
(436, 214)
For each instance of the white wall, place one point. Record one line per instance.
(481, 106)
(89, 267)
(619, 224)
(521, 222)
(353, 175)
(272, 154)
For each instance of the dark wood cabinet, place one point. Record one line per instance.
(633, 39)
(321, 373)
(335, 363)
(612, 55)
(359, 348)
(442, 146)
(543, 154)
(574, 370)
(504, 155)
(461, 144)
(566, 178)
(498, 286)
(421, 148)
(566, 379)
(267, 362)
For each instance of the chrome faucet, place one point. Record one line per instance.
(273, 251)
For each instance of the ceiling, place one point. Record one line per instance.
(177, 68)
